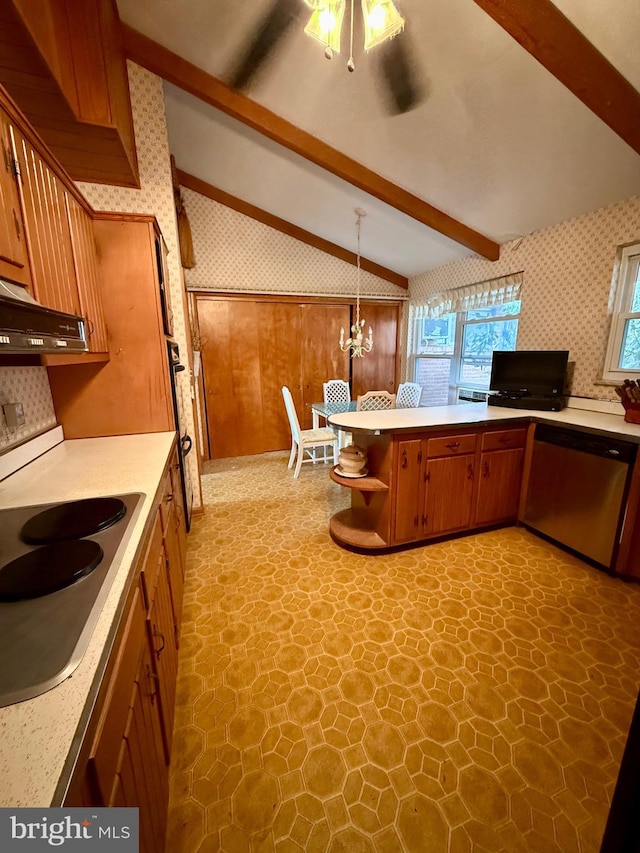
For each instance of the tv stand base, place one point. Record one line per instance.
(543, 404)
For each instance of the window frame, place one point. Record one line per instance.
(626, 280)
(461, 323)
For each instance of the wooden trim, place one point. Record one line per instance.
(197, 82)
(260, 215)
(114, 216)
(298, 299)
(562, 49)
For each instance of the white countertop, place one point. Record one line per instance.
(475, 414)
(36, 735)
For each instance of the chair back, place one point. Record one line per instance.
(375, 401)
(336, 391)
(294, 423)
(408, 396)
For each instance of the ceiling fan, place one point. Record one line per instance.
(399, 72)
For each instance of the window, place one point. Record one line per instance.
(452, 354)
(455, 333)
(623, 352)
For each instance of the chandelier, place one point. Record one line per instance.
(357, 343)
(381, 22)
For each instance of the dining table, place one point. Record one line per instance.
(325, 410)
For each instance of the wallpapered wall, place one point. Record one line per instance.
(567, 284)
(236, 253)
(30, 385)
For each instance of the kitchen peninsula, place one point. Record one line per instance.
(440, 471)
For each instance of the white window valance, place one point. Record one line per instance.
(494, 291)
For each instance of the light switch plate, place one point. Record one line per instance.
(13, 414)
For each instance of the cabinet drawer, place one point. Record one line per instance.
(451, 445)
(504, 438)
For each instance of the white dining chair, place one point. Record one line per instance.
(306, 440)
(408, 395)
(336, 391)
(376, 401)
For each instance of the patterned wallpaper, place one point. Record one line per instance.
(236, 253)
(29, 386)
(155, 196)
(567, 284)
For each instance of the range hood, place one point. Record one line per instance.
(28, 327)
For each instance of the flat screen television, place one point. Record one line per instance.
(536, 373)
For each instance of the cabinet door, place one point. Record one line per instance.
(85, 260)
(408, 523)
(449, 494)
(162, 637)
(48, 234)
(499, 485)
(13, 250)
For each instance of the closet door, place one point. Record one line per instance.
(378, 370)
(321, 357)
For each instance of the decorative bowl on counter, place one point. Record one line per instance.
(352, 461)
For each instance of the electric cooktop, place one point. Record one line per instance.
(57, 564)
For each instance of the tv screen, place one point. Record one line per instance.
(540, 373)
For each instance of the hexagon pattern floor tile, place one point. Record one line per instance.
(470, 695)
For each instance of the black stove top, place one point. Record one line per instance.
(57, 563)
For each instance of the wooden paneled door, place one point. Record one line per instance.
(254, 346)
(378, 370)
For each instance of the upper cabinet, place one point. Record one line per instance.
(63, 63)
(14, 263)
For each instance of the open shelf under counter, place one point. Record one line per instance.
(362, 484)
(353, 527)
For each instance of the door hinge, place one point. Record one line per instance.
(419, 456)
(415, 521)
(425, 518)
(427, 476)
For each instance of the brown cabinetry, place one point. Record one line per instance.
(125, 756)
(424, 485)
(132, 392)
(14, 262)
(500, 475)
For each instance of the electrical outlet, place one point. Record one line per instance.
(13, 414)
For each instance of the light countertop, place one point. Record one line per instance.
(37, 737)
(478, 414)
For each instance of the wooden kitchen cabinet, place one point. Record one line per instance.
(435, 484)
(124, 759)
(500, 475)
(132, 392)
(85, 262)
(44, 209)
(14, 262)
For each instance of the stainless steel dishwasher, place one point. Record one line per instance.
(577, 488)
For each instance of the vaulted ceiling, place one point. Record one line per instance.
(497, 148)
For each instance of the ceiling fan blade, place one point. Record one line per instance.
(402, 75)
(268, 35)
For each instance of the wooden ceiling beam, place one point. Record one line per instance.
(260, 215)
(558, 45)
(185, 75)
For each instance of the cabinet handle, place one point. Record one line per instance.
(424, 520)
(404, 458)
(157, 633)
(169, 497)
(91, 327)
(505, 439)
(155, 681)
(452, 445)
(16, 222)
(469, 471)
(485, 469)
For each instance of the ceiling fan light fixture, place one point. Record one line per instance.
(325, 23)
(382, 21)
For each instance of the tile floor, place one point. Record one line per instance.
(472, 695)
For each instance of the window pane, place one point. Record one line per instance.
(635, 284)
(433, 375)
(495, 311)
(630, 355)
(479, 342)
(436, 336)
